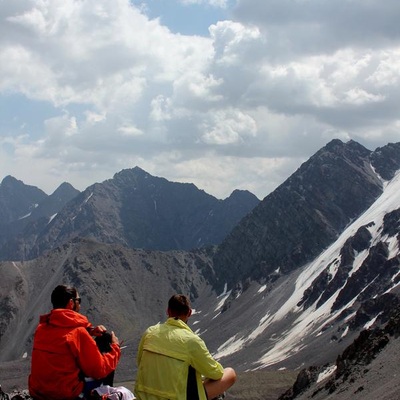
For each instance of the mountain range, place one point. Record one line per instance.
(289, 282)
(133, 208)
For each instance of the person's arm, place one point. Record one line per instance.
(96, 330)
(91, 361)
(140, 349)
(203, 362)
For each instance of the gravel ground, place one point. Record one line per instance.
(258, 385)
(14, 375)
(379, 380)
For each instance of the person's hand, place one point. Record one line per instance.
(98, 330)
(114, 339)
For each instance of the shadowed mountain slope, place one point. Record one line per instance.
(17, 199)
(138, 210)
(25, 210)
(306, 213)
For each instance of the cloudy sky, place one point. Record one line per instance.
(227, 94)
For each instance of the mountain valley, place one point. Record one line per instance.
(285, 284)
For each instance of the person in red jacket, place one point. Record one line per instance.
(64, 351)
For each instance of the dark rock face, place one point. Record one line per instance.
(20, 233)
(391, 223)
(137, 210)
(386, 160)
(352, 363)
(324, 285)
(373, 278)
(17, 199)
(380, 307)
(375, 275)
(52, 204)
(304, 380)
(302, 216)
(361, 352)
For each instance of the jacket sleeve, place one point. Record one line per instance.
(91, 361)
(140, 350)
(203, 362)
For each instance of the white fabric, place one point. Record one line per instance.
(115, 393)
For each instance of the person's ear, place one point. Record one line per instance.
(189, 313)
(70, 304)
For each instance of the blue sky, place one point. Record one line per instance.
(223, 94)
(191, 18)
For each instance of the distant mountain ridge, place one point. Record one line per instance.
(135, 209)
(17, 199)
(25, 208)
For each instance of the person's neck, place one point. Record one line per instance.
(183, 319)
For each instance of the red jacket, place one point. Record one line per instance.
(62, 351)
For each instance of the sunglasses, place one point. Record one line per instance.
(78, 299)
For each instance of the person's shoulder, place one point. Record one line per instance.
(153, 328)
(159, 325)
(194, 339)
(79, 336)
(81, 331)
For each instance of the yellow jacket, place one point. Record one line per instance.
(165, 353)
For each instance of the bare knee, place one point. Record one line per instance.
(215, 388)
(229, 376)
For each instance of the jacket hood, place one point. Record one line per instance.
(178, 322)
(61, 317)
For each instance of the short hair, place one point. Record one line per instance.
(61, 295)
(179, 304)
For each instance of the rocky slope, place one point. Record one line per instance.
(367, 369)
(307, 212)
(33, 216)
(17, 199)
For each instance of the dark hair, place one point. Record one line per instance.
(104, 342)
(179, 304)
(61, 295)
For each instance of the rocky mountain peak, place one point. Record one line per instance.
(336, 146)
(302, 216)
(130, 175)
(15, 186)
(65, 187)
(241, 194)
(137, 210)
(17, 200)
(10, 181)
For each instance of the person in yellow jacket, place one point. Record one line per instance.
(174, 362)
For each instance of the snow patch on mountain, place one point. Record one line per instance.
(52, 217)
(89, 197)
(230, 346)
(326, 373)
(262, 289)
(312, 319)
(222, 298)
(310, 322)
